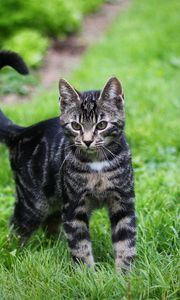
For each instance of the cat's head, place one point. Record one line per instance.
(92, 119)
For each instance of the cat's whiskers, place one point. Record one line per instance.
(105, 155)
(70, 146)
(77, 152)
(117, 143)
(112, 154)
(99, 147)
(65, 160)
(99, 152)
(99, 144)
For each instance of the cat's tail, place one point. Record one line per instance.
(8, 130)
(14, 60)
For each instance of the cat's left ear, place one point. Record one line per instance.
(113, 90)
(69, 97)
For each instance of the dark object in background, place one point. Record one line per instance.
(14, 60)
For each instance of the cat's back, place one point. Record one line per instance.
(46, 129)
(32, 145)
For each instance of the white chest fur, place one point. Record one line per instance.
(99, 165)
(99, 180)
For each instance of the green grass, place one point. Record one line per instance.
(142, 49)
(15, 83)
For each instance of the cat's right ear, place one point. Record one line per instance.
(113, 92)
(69, 97)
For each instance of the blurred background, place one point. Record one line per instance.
(32, 27)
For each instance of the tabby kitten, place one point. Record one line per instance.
(66, 167)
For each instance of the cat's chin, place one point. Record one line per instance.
(89, 152)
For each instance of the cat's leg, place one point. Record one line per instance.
(52, 224)
(76, 226)
(123, 223)
(28, 215)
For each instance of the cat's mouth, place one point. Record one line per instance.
(90, 150)
(87, 149)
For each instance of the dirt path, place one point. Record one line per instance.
(64, 56)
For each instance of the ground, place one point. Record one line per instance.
(142, 49)
(63, 57)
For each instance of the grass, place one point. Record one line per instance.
(142, 49)
(11, 82)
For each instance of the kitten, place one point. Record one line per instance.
(66, 167)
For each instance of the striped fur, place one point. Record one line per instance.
(63, 171)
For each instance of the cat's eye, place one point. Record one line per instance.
(101, 125)
(76, 126)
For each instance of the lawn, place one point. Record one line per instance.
(142, 49)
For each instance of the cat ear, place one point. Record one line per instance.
(112, 90)
(69, 97)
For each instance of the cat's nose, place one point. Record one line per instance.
(88, 143)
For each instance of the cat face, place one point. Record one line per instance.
(92, 119)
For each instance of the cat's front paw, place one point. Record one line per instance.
(88, 260)
(123, 264)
